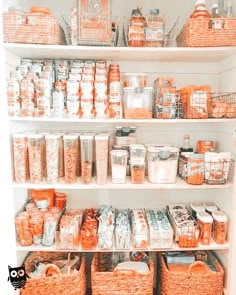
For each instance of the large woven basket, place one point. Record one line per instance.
(197, 32)
(191, 282)
(74, 284)
(32, 29)
(121, 282)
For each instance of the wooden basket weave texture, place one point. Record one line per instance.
(121, 282)
(191, 282)
(74, 284)
(198, 33)
(32, 29)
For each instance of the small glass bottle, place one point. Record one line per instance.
(186, 146)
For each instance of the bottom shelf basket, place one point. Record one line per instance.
(73, 284)
(197, 280)
(121, 282)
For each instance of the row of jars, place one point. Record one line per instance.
(56, 155)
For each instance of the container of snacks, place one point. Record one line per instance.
(220, 223)
(205, 222)
(138, 102)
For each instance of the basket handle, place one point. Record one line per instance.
(203, 266)
(125, 271)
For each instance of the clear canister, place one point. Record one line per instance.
(20, 152)
(27, 88)
(118, 165)
(162, 164)
(138, 102)
(35, 148)
(220, 223)
(52, 157)
(137, 163)
(70, 157)
(58, 104)
(196, 207)
(87, 150)
(101, 150)
(205, 223)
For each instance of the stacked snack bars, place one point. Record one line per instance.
(122, 230)
(185, 228)
(160, 230)
(89, 230)
(106, 218)
(139, 229)
(70, 224)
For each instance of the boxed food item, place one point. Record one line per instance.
(139, 229)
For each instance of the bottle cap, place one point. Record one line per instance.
(154, 11)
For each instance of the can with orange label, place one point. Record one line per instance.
(204, 146)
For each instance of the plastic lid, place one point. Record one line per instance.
(210, 206)
(197, 207)
(215, 5)
(35, 136)
(70, 136)
(154, 11)
(200, 2)
(19, 135)
(119, 152)
(220, 216)
(102, 136)
(52, 136)
(162, 148)
(204, 217)
(87, 136)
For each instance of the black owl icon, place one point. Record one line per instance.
(17, 276)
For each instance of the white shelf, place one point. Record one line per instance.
(212, 246)
(117, 121)
(180, 184)
(170, 54)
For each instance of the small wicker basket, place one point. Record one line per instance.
(193, 281)
(32, 28)
(74, 284)
(121, 282)
(197, 32)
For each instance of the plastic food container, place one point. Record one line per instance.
(137, 163)
(162, 164)
(118, 165)
(101, 150)
(86, 149)
(191, 168)
(205, 223)
(210, 207)
(138, 102)
(70, 157)
(35, 148)
(135, 80)
(220, 223)
(139, 229)
(52, 157)
(195, 208)
(20, 151)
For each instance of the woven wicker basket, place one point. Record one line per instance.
(74, 284)
(121, 282)
(191, 282)
(197, 33)
(32, 29)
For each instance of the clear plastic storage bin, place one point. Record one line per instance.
(138, 102)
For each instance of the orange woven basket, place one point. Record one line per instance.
(121, 282)
(191, 282)
(32, 28)
(197, 32)
(74, 284)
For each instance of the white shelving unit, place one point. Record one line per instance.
(214, 66)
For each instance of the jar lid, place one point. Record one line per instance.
(102, 136)
(197, 207)
(86, 136)
(210, 206)
(220, 216)
(35, 136)
(204, 217)
(119, 152)
(70, 136)
(52, 136)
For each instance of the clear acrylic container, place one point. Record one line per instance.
(138, 102)
(70, 157)
(20, 151)
(35, 148)
(135, 80)
(220, 224)
(101, 150)
(52, 157)
(87, 150)
(118, 165)
(205, 222)
(162, 164)
(137, 163)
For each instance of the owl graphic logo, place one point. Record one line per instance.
(17, 276)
